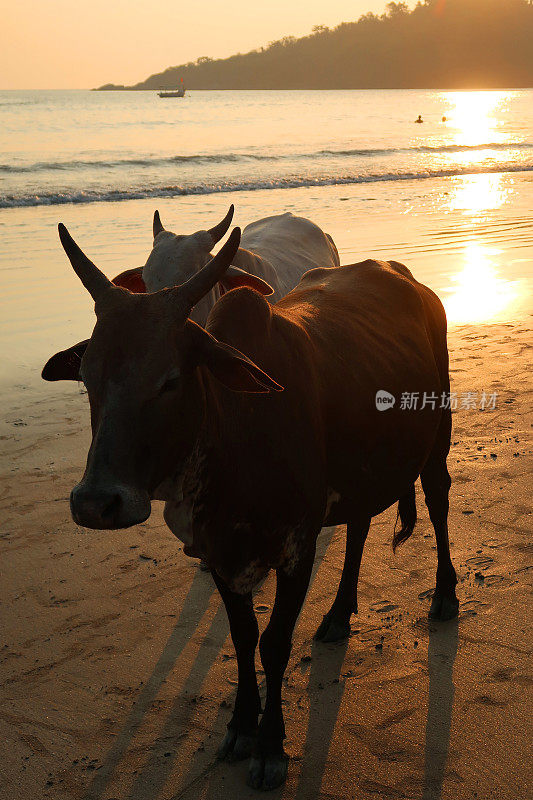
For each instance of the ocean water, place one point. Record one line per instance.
(452, 199)
(81, 147)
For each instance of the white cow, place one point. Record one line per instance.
(274, 254)
(276, 250)
(291, 245)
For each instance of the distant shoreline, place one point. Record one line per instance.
(495, 88)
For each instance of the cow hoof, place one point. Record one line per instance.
(267, 772)
(332, 630)
(235, 746)
(443, 608)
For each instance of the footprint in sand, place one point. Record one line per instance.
(383, 607)
(479, 561)
(485, 700)
(497, 580)
(503, 674)
(471, 607)
(523, 569)
(524, 547)
(493, 543)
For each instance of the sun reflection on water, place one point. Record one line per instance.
(476, 117)
(479, 293)
(477, 193)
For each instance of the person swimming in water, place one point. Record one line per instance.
(419, 120)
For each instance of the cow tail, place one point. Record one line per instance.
(407, 516)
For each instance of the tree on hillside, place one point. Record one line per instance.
(455, 44)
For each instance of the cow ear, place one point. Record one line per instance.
(131, 279)
(237, 372)
(236, 277)
(65, 365)
(231, 367)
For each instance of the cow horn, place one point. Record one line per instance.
(157, 224)
(200, 284)
(92, 278)
(219, 230)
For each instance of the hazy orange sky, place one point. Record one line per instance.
(64, 44)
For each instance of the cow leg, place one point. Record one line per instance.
(238, 741)
(436, 484)
(336, 623)
(268, 765)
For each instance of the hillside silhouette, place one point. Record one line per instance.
(453, 44)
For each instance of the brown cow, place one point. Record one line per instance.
(250, 472)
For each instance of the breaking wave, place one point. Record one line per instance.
(117, 195)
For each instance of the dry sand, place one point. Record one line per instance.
(117, 671)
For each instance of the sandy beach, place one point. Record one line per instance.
(118, 673)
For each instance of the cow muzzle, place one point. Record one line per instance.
(108, 508)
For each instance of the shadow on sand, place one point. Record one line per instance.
(326, 666)
(153, 775)
(195, 605)
(443, 642)
(326, 669)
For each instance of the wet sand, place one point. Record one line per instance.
(118, 674)
(470, 238)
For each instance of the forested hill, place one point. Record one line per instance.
(453, 44)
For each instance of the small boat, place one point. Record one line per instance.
(164, 93)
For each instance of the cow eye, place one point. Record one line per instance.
(171, 383)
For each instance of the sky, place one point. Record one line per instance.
(64, 44)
